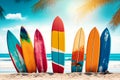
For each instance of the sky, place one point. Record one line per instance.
(21, 14)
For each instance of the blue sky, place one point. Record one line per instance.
(20, 14)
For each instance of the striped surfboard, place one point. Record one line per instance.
(15, 52)
(58, 45)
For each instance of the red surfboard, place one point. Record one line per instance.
(40, 52)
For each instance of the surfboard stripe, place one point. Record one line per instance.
(19, 49)
(56, 50)
(58, 59)
(56, 40)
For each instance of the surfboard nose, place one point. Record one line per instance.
(9, 32)
(38, 35)
(57, 24)
(106, 28)
(94, 28)
(23, 30)
(36, 31)
(23, 33)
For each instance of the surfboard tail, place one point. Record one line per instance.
(57, 68)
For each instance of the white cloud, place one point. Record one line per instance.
(16, 16)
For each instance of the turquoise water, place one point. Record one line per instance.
(113, 56)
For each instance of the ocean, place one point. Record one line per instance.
(113, 56)
(6, 65)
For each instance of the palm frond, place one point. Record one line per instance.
(116, 19)
(91, 5)
(1, 13)
(41, 4)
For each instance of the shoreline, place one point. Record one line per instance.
(7, 67)
(58, 76)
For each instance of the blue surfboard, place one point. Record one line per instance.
(14, 53)
(105, 46)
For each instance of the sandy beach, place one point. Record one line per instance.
(56, 76)
(9, 72)
(7, 67)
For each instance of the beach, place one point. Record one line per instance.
(56, 76)
(8, 72)
(7, 67)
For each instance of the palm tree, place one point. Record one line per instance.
(1, 13)
(41, 4)
(91, 5)
(116, 19)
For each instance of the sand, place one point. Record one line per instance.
(57, 76)
(9, 73)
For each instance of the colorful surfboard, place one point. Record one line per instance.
(93, 51)
(105, 45)
(14, 52)
(58, 45)
(78, 51)
(28, 51)
(40, 52)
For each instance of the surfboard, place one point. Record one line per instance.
(105, 42)
(14, 52)
(40, 52)
(78, 51)
(28, 51)
(58, 45)
(93, 51)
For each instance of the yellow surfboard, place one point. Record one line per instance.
(28, 51)
(93, 51)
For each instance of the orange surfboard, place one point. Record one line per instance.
(28, 51)
(93, 51)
